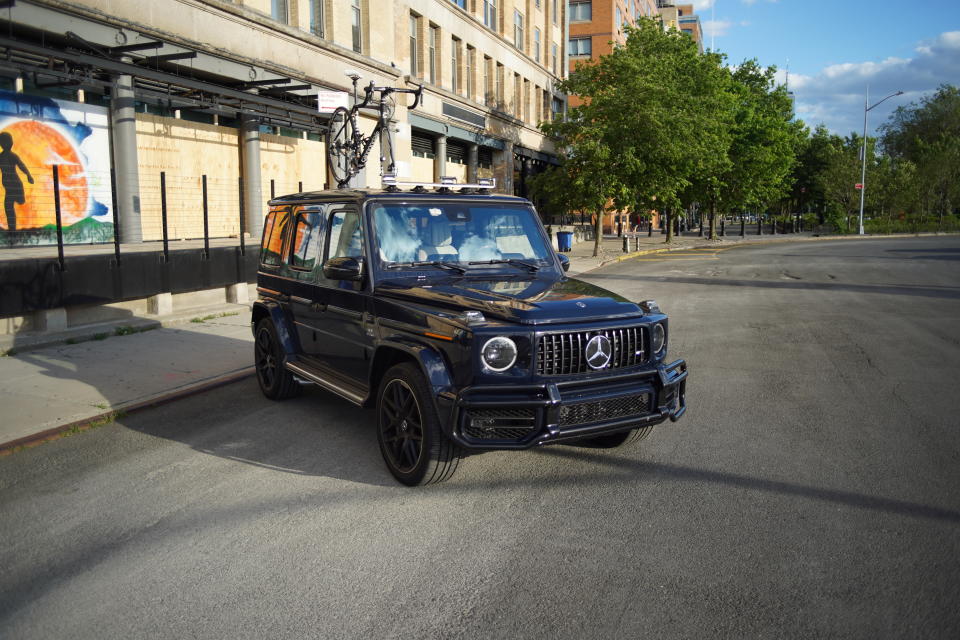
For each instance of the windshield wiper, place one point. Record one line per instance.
(517, 263)
(429, 263)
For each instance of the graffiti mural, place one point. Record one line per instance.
(37, 134)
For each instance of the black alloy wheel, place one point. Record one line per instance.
(276, 382)
(412, 443)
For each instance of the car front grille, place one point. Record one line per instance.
(499, 424)
(603, 410)
(563, 353)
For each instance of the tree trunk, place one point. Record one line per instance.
(669, 212)
(598, 231)
(713, 220)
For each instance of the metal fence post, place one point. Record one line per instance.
(206, 220)
(163, 215)
(116, 222)
(56, 205)
(242, 227)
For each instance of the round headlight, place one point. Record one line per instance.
(499, 353)
(658, 338)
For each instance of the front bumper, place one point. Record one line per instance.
(520, 417)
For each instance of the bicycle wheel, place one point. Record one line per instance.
(341, 151)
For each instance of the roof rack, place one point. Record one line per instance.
(482, 185)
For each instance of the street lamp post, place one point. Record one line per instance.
(863, 173)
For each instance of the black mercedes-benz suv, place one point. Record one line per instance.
(448, 311)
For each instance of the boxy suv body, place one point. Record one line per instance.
(451, 314)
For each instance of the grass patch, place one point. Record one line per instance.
(101, 336)
(9, 352)
(214, 316)
(71, 341)
(124, 331)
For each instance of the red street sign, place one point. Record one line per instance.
(859, 185)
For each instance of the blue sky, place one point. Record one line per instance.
(836, 48)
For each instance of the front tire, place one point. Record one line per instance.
(412, 443)
(341, 153)
(276, 382)
(614, 440)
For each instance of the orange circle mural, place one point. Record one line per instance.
(40, 146)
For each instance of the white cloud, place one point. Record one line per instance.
(713, 28)
(701, 5)
(835, 96)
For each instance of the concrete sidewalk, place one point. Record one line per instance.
(90, 374)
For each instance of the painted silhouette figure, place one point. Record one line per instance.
(12, 185)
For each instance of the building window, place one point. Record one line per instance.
(536, 44)
(518, 30)
(582, 10)
(580, 47)
(555, 55)
(460, 3)
(488, 96)
(557, 109)
(422, 145)
(619, 19)
(278, 10)
(357, 22)
(517, 96)
(456, 59)
(500, 88)
(433, 52)
(490, 13)
(556, 11)
(316, 17)
(414, 45)
(471, 70)
(526, 101)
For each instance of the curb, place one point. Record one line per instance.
(48, 435)
(709, 244)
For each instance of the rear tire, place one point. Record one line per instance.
(276, 382)
(413, 445)
(614, 440)
(341, 154)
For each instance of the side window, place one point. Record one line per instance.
(346, 235)
(271, 248)
(307, 238)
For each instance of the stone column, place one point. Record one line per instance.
(250, 167)
(473, 162)
(440, 158)
(126, 168)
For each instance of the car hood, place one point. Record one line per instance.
(523, 301)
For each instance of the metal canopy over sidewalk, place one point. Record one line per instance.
(84, 54)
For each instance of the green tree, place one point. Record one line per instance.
(651, 119)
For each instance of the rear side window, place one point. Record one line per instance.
(307, 239)
(271, 248)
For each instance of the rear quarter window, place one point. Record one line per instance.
(271, 247)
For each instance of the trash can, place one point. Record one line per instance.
(564, 241)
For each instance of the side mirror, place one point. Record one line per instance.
(344, 268)
(564, 261)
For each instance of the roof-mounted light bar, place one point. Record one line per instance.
(390, 183)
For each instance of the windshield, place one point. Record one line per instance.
(461, 233)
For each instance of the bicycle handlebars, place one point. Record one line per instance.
(385, 91)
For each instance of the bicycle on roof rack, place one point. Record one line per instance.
(347, 146)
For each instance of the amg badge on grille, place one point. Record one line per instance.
(598, 352)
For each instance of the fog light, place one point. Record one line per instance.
(499, 353)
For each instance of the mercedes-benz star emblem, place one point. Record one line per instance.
(598, 352)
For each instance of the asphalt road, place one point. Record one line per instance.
(813, 489)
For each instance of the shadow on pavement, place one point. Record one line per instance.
(659, 471)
